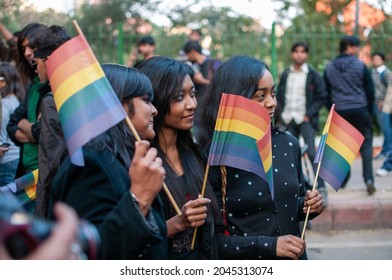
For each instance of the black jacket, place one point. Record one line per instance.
(99, 192)
(316, 94)
(51, 139)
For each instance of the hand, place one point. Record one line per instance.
(25, 127)
(290, 246)
(3, 150)
(315, 200)
(194, 213)
(147, 175)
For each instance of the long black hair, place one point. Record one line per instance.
(238, 75)
(167, 76)
(127, 83)
(28, 32)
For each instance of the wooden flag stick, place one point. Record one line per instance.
(313, 188)
(165, 188)
(203, 190)
(76, 25)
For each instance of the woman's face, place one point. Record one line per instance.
(182, 108)
(143, 117)
(27, 50)
(265, 93)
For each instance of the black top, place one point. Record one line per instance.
(99, 192)
(253, 220)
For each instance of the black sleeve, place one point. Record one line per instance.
(369, 89)
(19, 113)
(320, 95)
(328, 91)
(98, 195)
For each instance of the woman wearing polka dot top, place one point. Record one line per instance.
(256, 226)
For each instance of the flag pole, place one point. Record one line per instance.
(325, 130)
(134, 132)
(203, 190)
(308, 210)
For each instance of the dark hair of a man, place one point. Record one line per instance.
(348, 40)
(147, 40)
(380, 54)
(28, 32)
(300, 44)
(49, 40)
(192, 45)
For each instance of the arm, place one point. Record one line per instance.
(12, 51)
(12, 128)
(319, 95)
(369, 89)
(100, 193)
(329, 92)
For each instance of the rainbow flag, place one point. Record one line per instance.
(338, 147)
(85, 100)
(23, 187)
(242, 137)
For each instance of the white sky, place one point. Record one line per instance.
(262, 10)
(258, 9)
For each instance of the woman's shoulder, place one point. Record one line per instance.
(281, 135)
(11, 100)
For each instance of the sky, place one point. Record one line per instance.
(259, 9)
(262, 10)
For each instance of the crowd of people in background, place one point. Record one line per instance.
(173, 105)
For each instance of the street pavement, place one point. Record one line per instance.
(355, 225)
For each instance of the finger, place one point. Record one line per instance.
(140, 150)
(189, 211)
(151, 155)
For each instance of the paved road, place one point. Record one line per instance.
(350, 245)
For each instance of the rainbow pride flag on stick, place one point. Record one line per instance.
(85, 100)
(338, 147)
(23, 187)
(242, 137)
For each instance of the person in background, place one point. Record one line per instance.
(145, 48)
(256, 226)
(51, 134)
(350, 87)
(176, 102)
(386, 168)
(117, 188)
(24, 126)
(382, 79)
(301, 94)
(12, 92)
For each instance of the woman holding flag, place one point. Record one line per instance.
(261, 212)
(116, 196)
(175, 100)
